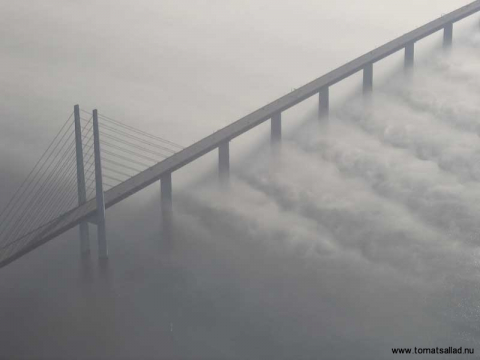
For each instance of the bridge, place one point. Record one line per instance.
(63, 191)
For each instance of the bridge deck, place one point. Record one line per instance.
(198, 149)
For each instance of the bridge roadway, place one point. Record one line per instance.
(19, 247)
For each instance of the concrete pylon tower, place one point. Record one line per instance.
(100, 218)
(82, 193)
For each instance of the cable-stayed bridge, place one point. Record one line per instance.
(95, 162)
(66, 176)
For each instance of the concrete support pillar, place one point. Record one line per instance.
(166, 205)
(323, 104)
(448, 35)
(101, 229)
(276, 130)
(224, 161)
(82, 193)
(368, 78)
(409, 55)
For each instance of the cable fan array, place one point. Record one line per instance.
(125, 151)
(50, 189)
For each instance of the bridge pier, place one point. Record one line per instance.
(224, 162)
(323, 104)
(409, 55)
(276, 129)
(100, 220)
(82, 193)
(448, 36)
(368, 78)
(166, 206)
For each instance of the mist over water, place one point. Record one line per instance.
(359, 235)
(363, 234)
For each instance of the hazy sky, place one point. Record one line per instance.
(360, 238)
(182, 69)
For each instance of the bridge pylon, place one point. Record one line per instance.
(82, 192)
(224, 162)
(99, 194)
(324, 102)
(409, 56)
(166, 207)
(448, 36)
(276, 129)
(368, 78)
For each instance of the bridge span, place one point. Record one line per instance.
(93, 210)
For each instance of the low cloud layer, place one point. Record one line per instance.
(360, 236)
(367, 225)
